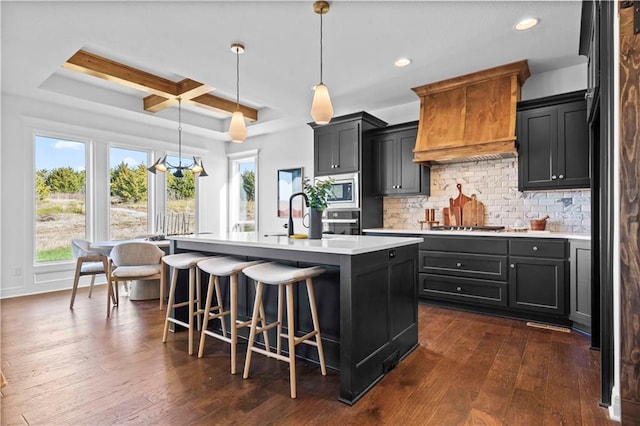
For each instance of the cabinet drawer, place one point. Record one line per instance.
(486, 245)
(538, 248)
(464, 265)
(466, 290)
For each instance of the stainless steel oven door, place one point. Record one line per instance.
(346, 191)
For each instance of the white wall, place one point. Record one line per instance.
(550, 83)
(21, 117)
(287, 149)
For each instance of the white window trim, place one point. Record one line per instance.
(232, 158)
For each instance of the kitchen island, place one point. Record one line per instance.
(367, 298)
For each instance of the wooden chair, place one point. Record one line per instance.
(88, 262)
(133, 261)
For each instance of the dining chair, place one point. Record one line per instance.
(88, 262)
(133, 261)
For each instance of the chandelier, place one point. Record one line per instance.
(161, 164)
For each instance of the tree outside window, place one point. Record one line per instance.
(60, 204)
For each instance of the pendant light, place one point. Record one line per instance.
(237, 127)
(321, 108)
(161, 164)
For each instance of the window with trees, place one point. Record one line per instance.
(129, 193)
(60, 183)
(181, 201)
(243, 192)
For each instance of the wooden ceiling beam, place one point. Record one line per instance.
(215, 103)
(163, 92)
(186, 89)
(97, 66)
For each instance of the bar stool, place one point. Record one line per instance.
(225, 267)
(284, 276)
(179, 262)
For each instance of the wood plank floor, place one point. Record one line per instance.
(77, 367)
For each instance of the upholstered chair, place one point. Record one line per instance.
(134, 261)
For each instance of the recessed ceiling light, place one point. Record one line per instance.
(402, 62)
(527, 24)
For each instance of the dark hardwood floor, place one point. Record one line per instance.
(78, 367)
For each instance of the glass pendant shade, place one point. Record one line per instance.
(321, 108)
(237, 128)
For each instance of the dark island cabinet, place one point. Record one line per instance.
(393, 159)
(553, 143)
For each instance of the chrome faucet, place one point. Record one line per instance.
(306, 203)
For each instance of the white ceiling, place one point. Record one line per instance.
(281, 63)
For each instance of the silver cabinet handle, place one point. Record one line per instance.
(458, 264)
(561, 177)
(553, 177)
(459, 288)
(535, 248)
(512, 266)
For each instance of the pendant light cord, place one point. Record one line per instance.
(237, 78)
(321, 13)
(179, 133)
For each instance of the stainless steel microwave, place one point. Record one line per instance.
(345, 191)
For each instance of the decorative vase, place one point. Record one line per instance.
(315, 224)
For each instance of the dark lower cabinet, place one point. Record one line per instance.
(537, 285)
(518, 277)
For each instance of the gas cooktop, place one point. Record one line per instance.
(467, 228)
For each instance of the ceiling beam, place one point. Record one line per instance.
(163, 93)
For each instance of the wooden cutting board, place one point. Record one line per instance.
(473, 213)
(456, 205)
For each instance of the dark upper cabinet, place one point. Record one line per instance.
(336, 148)
(589, 47)
(397, 174)
(337, 145)
(553, 143)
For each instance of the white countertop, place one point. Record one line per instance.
(333, 244)
(526, 234)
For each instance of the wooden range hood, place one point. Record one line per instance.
(471, 116)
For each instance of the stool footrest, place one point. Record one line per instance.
(175, 321)
(217, 336)
(269, 354)
(303, 339)
(181, 304)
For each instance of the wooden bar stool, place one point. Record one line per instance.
(225, 267)
(179, 262)
(284, 276)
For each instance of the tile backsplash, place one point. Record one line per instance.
(495, 183)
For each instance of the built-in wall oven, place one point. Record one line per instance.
(342, 221)
(345, 191)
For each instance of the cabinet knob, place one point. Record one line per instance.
(399, 186)
(535, 248)
(512, 266)
(459, 288)
(554, 177)
(561, 177)
(337, 166)
(333, 166)
(458, 264)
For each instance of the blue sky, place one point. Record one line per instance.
(52, 153)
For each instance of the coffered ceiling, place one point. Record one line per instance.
(190, 41)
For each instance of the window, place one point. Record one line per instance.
(128, 193)
(243, 192)
(181, 200)
(60, 192)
